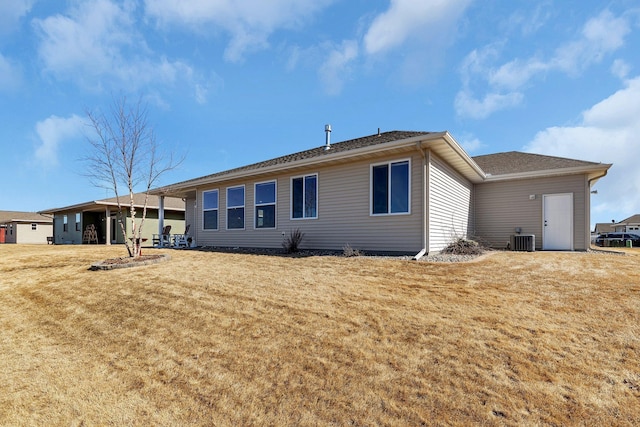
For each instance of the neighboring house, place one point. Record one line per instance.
(411, 192)
(629, 225)
(71, 223)
(602, 227)
(24, 227)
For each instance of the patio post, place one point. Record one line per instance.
(160, 217)
(107, 226)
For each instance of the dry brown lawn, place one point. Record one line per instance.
(227, 339)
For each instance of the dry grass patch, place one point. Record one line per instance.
(226, 339)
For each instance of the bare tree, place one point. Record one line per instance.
(124, 158)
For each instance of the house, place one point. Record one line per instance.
(76, 224)
(24, 227)
(629, 225)
(604, 227)
(410, 192)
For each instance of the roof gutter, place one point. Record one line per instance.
(597, 177)
(549, 172)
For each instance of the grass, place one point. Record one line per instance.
(227, 339)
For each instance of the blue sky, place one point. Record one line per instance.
(230, 83)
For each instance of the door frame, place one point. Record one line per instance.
(571, 220)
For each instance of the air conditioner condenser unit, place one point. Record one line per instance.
(523, 242)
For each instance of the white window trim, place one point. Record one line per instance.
(303, 218)
(210, 209)
(389, 163)
(244, 203)
(256, 205)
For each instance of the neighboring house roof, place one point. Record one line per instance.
(512, 165)
(635, 219)
(15, 216)
(518, 163)
(605, 227)
(170, 203)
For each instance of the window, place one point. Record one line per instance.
(77, 222)
(390, 188)
(266, 205)
(304, 197)
(34, 226)
(210, 209)
(235, 207)
(65, 225)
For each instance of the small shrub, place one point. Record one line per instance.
(348, 251)
(462, 246)
(291, 243)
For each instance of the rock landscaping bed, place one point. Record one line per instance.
(125, 262)
(434, 257)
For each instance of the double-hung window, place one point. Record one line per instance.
(65, 224)
(304, 197)
(265, 203)
(235, 207)
(210, 209)
(77, 222)
(390, 188)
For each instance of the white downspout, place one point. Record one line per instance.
(426, 160)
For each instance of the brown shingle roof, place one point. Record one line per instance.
(320, 151)
(635, 219)
(518, 162)
(170, 203)
(605, 227)
(15, 216)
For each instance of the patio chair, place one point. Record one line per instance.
(164, 239)
(181, 240)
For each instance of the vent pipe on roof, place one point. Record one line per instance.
(327, 131)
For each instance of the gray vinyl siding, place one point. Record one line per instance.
(71, 236)
(500, 207)
(450, 205)
(343, 212)
(190, 216)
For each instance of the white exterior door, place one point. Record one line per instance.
(557, 227)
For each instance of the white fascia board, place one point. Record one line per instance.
(550, 172)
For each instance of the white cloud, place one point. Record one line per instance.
(249, 22)
(337, 67)
(97, 44)
(469, 106)
(409, 19)
(470, 143)
(10, 74)
(529, 22)
(608, 133)
(620, 68)
(52, 132)
(11, 11)
(515, 74)
(504, 84)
